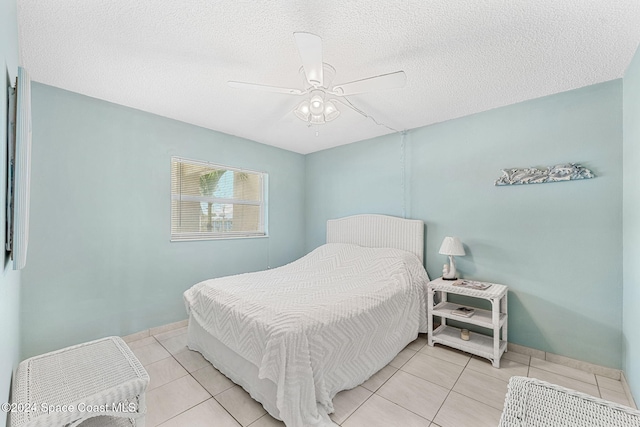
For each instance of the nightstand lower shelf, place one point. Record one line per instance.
(478, 344)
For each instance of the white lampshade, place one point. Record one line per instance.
(330, 111)
(303, 111)
(317, 119)
(452, 246)
(316, 103)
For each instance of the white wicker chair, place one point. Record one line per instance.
(534, 403)
(102, 374)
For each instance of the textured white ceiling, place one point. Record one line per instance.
(173, 58)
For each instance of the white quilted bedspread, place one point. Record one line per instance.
(319, 325)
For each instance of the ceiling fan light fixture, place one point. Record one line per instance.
(317, 119)
(330, 111)
(316, 103)
(317, 80)
(303, 111)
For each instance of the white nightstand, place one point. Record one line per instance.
(479, 344)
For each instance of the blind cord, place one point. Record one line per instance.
(268, 254)
(402, 174)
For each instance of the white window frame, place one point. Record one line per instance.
(192, 236)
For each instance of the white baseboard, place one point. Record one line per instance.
(155, 331)
(614, 374)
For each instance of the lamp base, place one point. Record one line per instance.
(454, 278)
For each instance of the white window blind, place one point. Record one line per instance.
(210, 201)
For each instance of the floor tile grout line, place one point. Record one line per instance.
(217, 394)
(469, 355)
(590, 373)
(465, 367)
(479, 401)
(375, 392)
(406, 409)
(211, 396)
(598, 385)
(424, 379)
(261, 417)
(612, 390)
(358, 407)
(450, 390)
(220, 392)
(452, 387)
(555, 373)
(407, 361)
(146, 345)
(383, 383)
(230, 414)
(186, 410)
(437, 345)
(565, 376)
(188, 374)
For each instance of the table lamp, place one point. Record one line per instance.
(453, 247)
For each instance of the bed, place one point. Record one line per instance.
(296, 335)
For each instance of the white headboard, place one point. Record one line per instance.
(378, 231)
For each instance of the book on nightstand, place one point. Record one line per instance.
(463, 311)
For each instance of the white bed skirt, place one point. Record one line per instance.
(232, 365)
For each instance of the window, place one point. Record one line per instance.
(211, 201)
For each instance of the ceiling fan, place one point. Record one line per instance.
(318, 108)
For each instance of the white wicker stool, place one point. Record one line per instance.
(101, 382)
(534, 403)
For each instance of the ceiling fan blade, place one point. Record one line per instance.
(310, 49)
(385, 81)
(243, 85)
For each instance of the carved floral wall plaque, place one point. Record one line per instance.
(557, 173)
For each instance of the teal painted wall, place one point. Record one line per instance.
(631, 216)
(9, 279)
(100, 259)
(558, 246)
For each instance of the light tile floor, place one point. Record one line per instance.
(423, 386)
